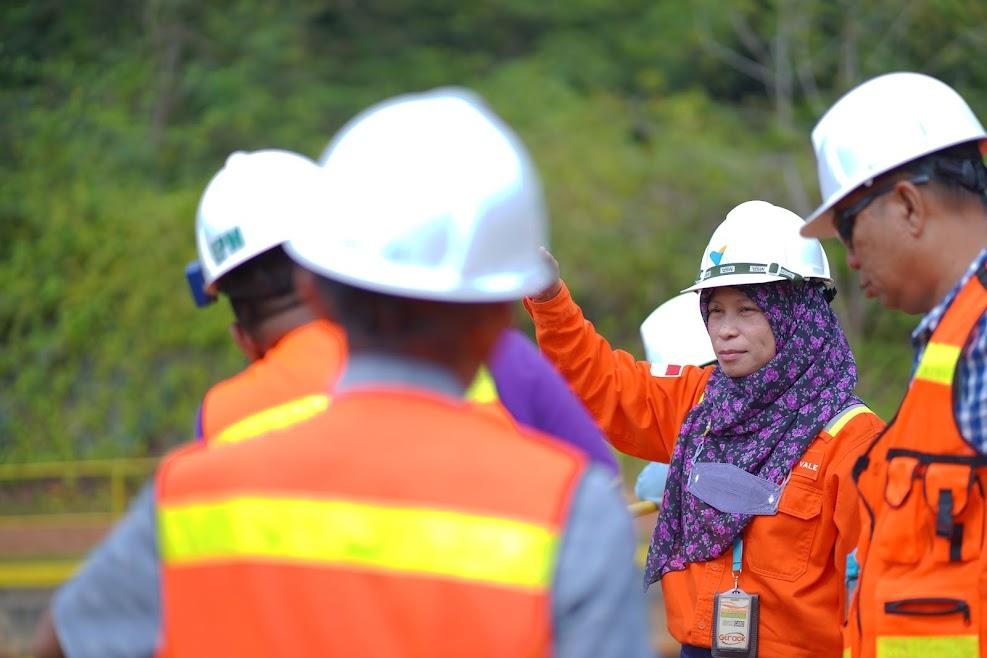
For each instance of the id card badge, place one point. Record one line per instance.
(735, 617)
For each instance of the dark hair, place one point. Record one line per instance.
(261, 287)
(958, 169)
(384, 322)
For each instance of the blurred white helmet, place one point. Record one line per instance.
(248, 206)
(878, 126)
(674, 333)
(431, 196)
(757, 243)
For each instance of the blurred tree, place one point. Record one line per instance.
(649, 120)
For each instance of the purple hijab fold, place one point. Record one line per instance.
(762, 422)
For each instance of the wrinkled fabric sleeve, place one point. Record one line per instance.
(112, 606)
(640, 414)
(598, 608)
(854, 439)
(535, 394)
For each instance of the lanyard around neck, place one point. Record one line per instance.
(738, 558)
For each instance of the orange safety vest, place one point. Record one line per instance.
(396, 523)
(923, 576)
(290, 384)
(286, 386)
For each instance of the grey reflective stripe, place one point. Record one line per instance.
(853, 409)
(773, 269)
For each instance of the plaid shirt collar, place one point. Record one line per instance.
(923, 332)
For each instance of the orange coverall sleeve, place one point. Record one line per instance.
(639, 414)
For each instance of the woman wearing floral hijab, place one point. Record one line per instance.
(760, 510)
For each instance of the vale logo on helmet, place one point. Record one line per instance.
(717, 255)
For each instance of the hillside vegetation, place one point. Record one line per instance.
(648, 119)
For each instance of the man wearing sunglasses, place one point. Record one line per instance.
(902, 179)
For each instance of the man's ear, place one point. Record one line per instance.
(307, 287)
(915, 207)
(245, 342)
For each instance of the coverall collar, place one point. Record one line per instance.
(365, 370)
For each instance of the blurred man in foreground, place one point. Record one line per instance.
(400, 521)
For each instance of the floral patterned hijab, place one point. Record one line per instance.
(762, 422)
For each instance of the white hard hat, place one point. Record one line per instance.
(431, 196)
(248, 206)
(675, 333)
(878, 126)
(757, 243)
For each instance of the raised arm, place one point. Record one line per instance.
(640, 414)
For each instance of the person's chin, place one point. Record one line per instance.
(910, 307)
(734, 370)
(890, 301)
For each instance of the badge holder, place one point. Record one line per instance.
(735, 616)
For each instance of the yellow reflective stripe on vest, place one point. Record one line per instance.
(275, 418)
(483, 389)
(938, 363)
(839, 421)
(419, 541)
(926, 646)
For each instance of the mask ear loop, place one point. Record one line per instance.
(695, 454)
(781, 487)
(699, 443)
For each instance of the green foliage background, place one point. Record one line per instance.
(649, 120)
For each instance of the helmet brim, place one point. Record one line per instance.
(420, 282)
(820, 223)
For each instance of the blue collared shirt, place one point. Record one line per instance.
(970, 404)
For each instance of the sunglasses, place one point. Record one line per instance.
(846, 218)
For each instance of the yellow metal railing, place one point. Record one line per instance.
(19, 573)
(116, 470)
(39, 573)
(36, 574)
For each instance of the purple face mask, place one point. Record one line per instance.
(733, 490)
